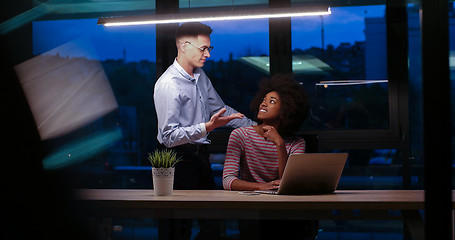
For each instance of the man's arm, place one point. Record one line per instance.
(216, 104)
(218, 120)
(239, 122)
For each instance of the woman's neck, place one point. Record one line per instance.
(259, 127)
(274, 124)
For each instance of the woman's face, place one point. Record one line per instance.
(270, 108)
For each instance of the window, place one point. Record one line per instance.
(220, 3)
(127, 56)
(452, 72)
(341, 59)
(416, 91)
(342, 62)
(348, 90)
(239, 60)
(371, 169)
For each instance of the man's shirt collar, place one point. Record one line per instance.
(184, 74)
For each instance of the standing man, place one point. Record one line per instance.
(188, 108)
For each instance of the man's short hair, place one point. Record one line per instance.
(193, 29)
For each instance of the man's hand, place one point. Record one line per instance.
(217, 120)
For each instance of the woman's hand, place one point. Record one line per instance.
(272, 135)
(270, 185)
(242, 185)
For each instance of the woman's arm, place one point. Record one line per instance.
(232, 161)
(271, 134)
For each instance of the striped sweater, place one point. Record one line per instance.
(251, 158)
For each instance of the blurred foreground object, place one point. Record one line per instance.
(65, 89)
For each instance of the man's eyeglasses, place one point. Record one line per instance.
(202, 48)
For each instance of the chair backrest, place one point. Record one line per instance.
(311, 142)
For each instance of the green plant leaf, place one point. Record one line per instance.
(165, 158)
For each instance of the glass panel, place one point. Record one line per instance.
(415, 87)
(415, 93)
(219, 3)
(342, 62)
(238, 61)
(108, 43)
(104, 7)
(372, 169)
(127, 57)
(452, 77)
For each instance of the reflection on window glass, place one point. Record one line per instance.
(238, 61)
(372, 169)
(415, 90)
(341, 60)
(127, 57)
(415, 86)
(219, 3)
(452, 70)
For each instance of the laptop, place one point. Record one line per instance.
(310, 173)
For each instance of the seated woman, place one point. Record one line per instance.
(256, 155)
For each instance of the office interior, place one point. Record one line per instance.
(380, 75)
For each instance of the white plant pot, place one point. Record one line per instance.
(163, 181)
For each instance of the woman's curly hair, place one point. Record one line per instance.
(294, 102)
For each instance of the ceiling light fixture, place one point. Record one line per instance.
(215, 16)
(349, 82)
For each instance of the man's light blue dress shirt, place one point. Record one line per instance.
(184, 104)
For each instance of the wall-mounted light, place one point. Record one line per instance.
(216, 16)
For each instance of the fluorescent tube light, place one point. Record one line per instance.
(215, 16)
(349, 82)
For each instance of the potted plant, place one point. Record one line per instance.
(163, 167)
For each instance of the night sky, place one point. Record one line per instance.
(239, 37)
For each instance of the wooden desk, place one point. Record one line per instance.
(219, 204)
